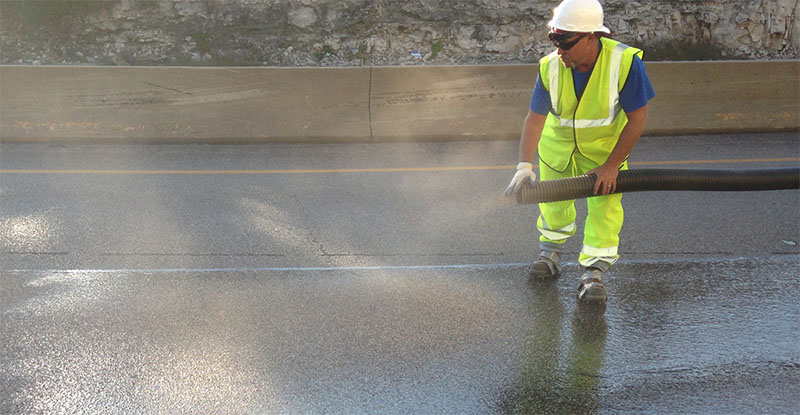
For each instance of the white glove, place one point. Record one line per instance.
(524, 172)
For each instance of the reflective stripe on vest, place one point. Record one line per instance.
(613, 92)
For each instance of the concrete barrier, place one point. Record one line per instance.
(724, 96)
(227, 105)
(454, 103)
(153, 104)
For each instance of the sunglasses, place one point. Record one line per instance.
(565, 40)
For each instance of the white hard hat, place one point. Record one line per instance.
(579, 16)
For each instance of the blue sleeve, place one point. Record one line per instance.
(540, 101)
(637, 89)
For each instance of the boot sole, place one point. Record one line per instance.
(543, 271)
(593, 293)
(542, 275)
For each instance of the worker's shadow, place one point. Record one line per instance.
(561, 368)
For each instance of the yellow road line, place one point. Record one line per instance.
(294, 171)
(368, 170)
(683, 162)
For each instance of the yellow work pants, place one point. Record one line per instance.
(603, 223)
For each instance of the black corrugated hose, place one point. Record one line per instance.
(642, 180)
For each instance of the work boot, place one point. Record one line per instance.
(592, 289)
(547, 266)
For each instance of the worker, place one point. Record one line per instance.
(588, 110)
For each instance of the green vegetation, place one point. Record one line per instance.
(148, 4)
(202, 41)
(362, 52)
(320, 54)
(436, 48)
(51, 13)
(686, 50)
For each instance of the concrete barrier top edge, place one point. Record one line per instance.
(192, 68)
(720, 62)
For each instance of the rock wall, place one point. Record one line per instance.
(374, 32)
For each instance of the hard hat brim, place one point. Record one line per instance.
(577, 29)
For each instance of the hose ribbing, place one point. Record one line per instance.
(641, 180)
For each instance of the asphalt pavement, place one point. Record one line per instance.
(383, 278)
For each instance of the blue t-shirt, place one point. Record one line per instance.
(634, 95)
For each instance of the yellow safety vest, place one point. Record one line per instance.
(590, 125)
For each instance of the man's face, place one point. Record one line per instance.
(572, 47)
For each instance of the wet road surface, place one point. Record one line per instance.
(140, 290)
